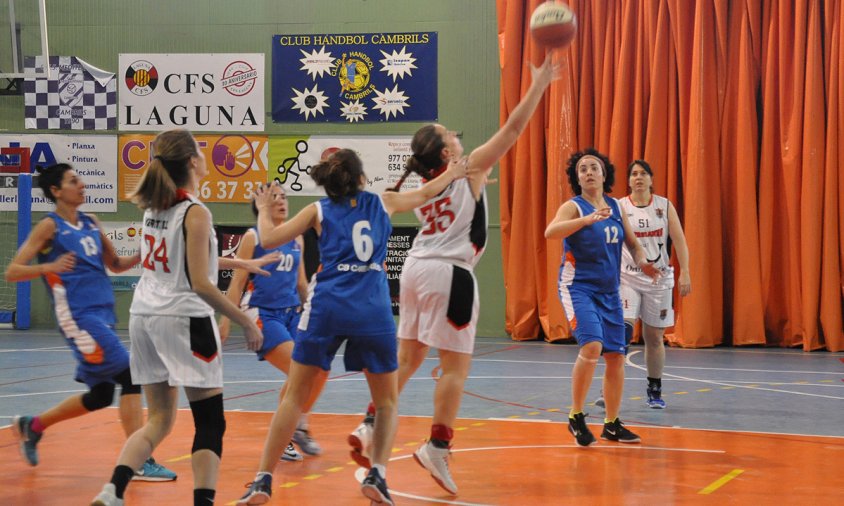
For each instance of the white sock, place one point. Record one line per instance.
(382, 470)
(260, 473)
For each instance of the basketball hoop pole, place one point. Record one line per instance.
(22, 305)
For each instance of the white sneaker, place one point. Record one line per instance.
(291, 455)
(361, 442)
(435, 460)
(107, 497)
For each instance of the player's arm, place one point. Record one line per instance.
(197, 238)
(568, 220)
(19, 269)
(272, 236)
(245, 250)
(678, 237)
(636, 249)
(111, 259)
(399, 202)
(302, 278)
(250, 265)
(485, 156)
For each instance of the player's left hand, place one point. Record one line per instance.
(685, 283)
(650, 270)
(254, 265)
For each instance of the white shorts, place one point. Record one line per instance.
(181, 350)
(655, 307)
(438, 305)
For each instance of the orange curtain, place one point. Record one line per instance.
(737, 105)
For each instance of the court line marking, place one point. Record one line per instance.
(629, 362)
(720, 482)
(360, 473)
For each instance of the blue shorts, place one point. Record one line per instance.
(597, 317)
(278, 326)
(100, 362)
(374, 353)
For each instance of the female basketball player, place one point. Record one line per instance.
(594, 230)
(73, 253)
(654, 220)
(275, 302)
(349, 302)
(175, 341)
(439, 294)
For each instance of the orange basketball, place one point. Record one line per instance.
(553, 24)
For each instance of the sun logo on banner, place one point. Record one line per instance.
(353, 110)
(390, 102)
(317, 63)
(310, 102)
(398, 64)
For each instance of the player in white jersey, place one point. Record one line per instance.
(439, 293)
(654, 221)
(175, 341)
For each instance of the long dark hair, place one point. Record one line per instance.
(168, 170)
(427, 146)
(571, 169)
(51, 176)
(340, 174)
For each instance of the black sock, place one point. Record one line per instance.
(203, 496)
(440, 443)
(121, 477)
(369, 419)
(655, 383)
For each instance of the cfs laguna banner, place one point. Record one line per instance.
(200, 92)
(355, 77)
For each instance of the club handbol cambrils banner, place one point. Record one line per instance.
(126, 238)
(237, 164)
(291, 159)
(200, 92)
(92, 156)
(355, 77)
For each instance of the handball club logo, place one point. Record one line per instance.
(239, 78)
(141, 78)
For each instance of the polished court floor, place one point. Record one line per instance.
(742, 426)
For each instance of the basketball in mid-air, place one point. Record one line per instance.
(553, 24)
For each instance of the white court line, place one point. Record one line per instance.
(838, 373)
(9, 396)
(727, 384)
(360, 473)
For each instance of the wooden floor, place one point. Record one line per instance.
(494, 462)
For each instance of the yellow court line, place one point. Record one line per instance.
(553, 410)
(289, 484)
(312, 477)
(704, 389)
(478, 424)
(178, 459)
(533, 413)
(334, 469)
(720, 482)
(514, 416)
(680, 393)
(461, 428)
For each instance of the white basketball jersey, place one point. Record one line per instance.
(453, 226)
(165, 287)
(650, 225)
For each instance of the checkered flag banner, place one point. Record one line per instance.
(78, 96)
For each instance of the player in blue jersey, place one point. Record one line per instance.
(73, 253)
(275, 302)
(594, 230)
(349, 301)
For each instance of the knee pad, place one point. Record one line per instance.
(628, 332)
(124, 379)
(99, 397)
(209, 423)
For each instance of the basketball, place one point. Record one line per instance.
(553, 24)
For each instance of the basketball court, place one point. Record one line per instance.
(737, 422)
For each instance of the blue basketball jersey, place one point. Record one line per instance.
(87, 286)
(592, 255)
(278, 290)
(349, 295)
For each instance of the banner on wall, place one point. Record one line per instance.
(237, 164)
(126, 238)
(355, 77)
(200, 92)
(398, 246)
(291, 159)
(78, 96)
(92, 157)
(228, 240)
